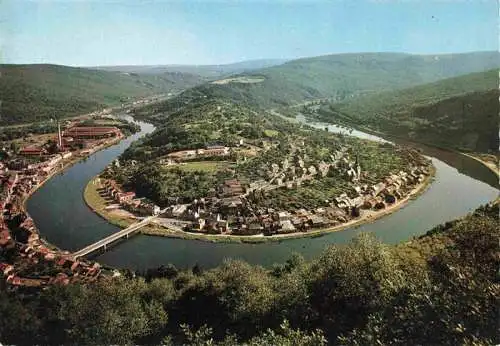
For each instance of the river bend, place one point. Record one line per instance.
(461, 184)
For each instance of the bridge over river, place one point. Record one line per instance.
(124, 233)
(461, 184)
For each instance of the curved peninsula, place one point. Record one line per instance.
(98, 200)
(459, 186)
(224, 172)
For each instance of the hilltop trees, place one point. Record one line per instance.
(459, 113)
(160, 184)
(439, 289)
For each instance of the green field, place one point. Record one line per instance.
(203, 166)
(270, 133)
(94, 199)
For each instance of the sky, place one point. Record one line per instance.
(121, 32)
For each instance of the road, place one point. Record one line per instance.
(115, 236)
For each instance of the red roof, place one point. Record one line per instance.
(43, 250)
(62, 279)
(31, 150)
(75, 265)
(15, 280)
(4, 266)
(80, 131)
(4, 237)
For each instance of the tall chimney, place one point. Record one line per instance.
(59, 137)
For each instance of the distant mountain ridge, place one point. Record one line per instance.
(38, 92)
(346, 75)
(207, 71)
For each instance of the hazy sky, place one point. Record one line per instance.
(123, 32)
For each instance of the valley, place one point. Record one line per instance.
(254, 173)
(258, 179)
(39, 93)
(455, 113)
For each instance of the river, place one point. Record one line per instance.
(461, 184)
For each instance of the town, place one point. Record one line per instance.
(219, 173)
(232, 207)
(29, 260)
(249, 182)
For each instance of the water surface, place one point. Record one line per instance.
(461, 185)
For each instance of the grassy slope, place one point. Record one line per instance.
(460, 112)
(38, 92)
(345, 75)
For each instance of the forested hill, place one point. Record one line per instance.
(37, 92)
(461, 112)
(440, 289)
(344, 75)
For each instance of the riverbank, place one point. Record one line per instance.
(22, 238)
(490, 165)
(478, 157)
(65, 165)
(64, 218)
(98, 204)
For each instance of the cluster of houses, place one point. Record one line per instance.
(128, 201)
(235, 215)
(19, 238)
(60, 267)
(42, 166)
(21, 243)
(292, 173)
(8, 181)
(230, 208)
(231, 212)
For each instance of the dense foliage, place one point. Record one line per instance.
(33, 93)
(460, 112)
(10, 133)
(439, 289)
(162, 184)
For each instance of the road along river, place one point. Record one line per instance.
(461, 184)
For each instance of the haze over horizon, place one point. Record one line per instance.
(208, 33)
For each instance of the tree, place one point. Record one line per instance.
(14, 147)
(52, 147)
